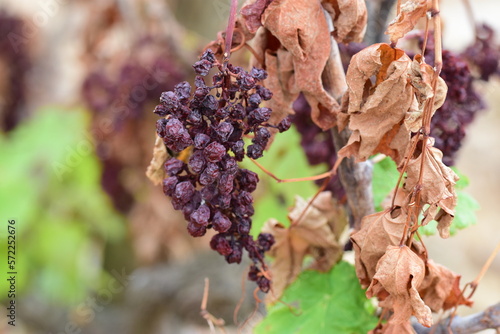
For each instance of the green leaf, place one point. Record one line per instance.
(330, 302)
(385, 177)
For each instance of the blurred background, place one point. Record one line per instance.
(99, 248)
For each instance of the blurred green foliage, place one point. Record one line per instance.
(385, 177)
(285, 159)
(50, 179)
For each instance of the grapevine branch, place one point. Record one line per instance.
(487, 319)
(356, 178)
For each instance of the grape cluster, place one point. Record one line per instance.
(484, 53)
(317, 144)
(209, 187)
(15, 64)
(450, 122)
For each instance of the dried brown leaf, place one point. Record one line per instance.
(313, 234)
(455, 297)
(349, 18)
(421, 76)
(437, 186)
(155, 171)
(377, 231)
(400, 272)
(301, 28)
(279, 67)
(411, 12)
(439, 286)
(379, 94)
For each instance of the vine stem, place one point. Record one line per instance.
(230, 30)
(426, 122)
(300, 179)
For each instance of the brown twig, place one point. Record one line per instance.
(426, 122)
(211, 320)
(300, 179)
(242, 298)
(474, 284)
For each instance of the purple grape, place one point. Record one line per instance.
(265, 241)
(196, 230)
(184, 192)
(201, 215)
(238, 149)
(248, 180)
(264, 93)
(169, 185)
(245, 81)
(214, 152)
(210, 174)
(259, 116)
(220, 244)
(183, 90)
(197, 161)
(224, 130)
(202, 67)
(201, 140)
(220, 222)
(173, 166)
(258, 74)
(285, 124)
(226, 183)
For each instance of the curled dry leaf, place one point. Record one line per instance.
(155, 171)
(314, 234)
(279, 67)
(411, 11)
(437, 186)
(379, 93)
(252, 13)
(400, 272)
(349, 18)
(440, 288)
(301, 28)
(421, 76)
(378, 231)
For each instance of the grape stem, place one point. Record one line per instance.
(230, 30)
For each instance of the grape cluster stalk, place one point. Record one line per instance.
(207, 123)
